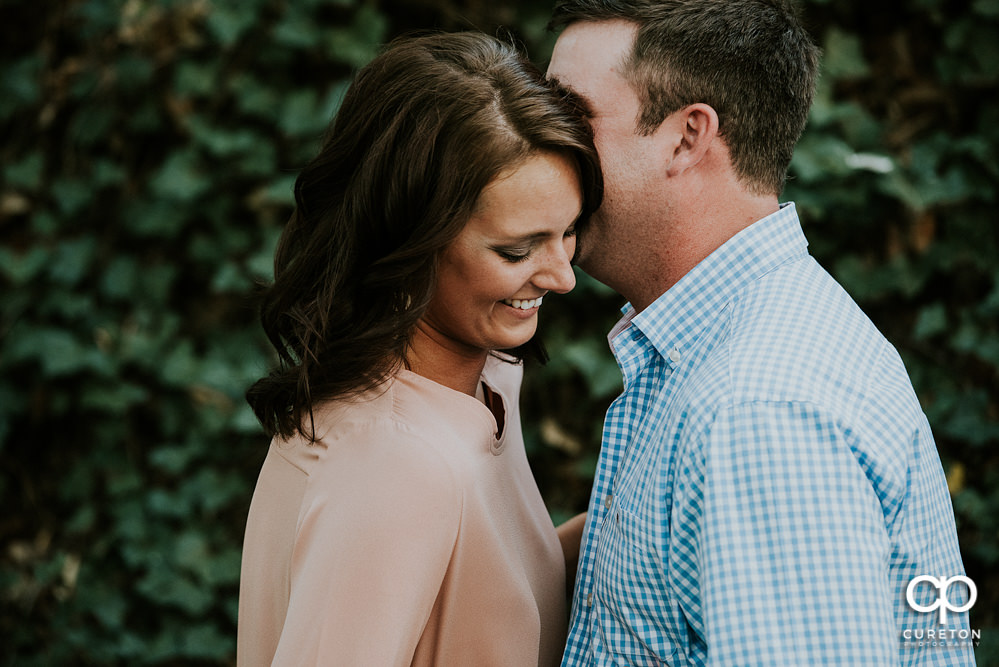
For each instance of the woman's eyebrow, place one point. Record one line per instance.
(515, 238)
(500, 237)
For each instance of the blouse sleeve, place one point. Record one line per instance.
(375, 535)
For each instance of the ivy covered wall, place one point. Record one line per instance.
(147, 157)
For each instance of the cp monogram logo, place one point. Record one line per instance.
(942, 585)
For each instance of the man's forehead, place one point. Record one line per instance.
(593, 49)
(591, 59)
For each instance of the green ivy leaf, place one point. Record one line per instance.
(26, 173)
(297, 30)
(989, 8)
(91, 125)
(23, 268)
(843, 57)
(116, 399)
(932, 321)
(358, 43)
(228, 23)
(20, 84)
(166, 586)
(58, 352)
(181, 178)
(196, 79)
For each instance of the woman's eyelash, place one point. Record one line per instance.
(514, 255)
(520, 254)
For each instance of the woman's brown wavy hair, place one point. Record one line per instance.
(421, 131)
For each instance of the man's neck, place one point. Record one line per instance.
(688, 240)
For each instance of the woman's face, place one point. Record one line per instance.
(515, 249)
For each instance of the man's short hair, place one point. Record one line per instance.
(750, 60)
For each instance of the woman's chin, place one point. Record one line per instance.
(516, 339)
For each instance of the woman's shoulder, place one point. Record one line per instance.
(364, 440)
(409, 423)
(374, 419)
(405, 414)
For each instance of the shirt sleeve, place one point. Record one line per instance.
(376, 532)
(782, 549)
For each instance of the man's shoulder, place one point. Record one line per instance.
(796, 335)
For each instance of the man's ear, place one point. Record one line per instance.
(696, 127)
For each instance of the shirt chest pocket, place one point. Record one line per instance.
(630, 587)
(632, 572)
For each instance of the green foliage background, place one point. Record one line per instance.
(149, 148)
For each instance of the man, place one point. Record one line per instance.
(768, 485)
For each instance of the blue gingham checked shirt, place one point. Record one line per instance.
(768, 484)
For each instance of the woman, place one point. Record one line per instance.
(395, 520)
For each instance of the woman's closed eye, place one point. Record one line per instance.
(514, 255)
(519, 253)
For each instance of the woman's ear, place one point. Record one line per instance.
(695, 127)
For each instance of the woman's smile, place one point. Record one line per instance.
(524, 304)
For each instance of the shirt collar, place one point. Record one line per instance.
(677, 317)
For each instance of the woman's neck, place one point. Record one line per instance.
(444, 360)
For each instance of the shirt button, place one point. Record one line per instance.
(589, 600)
(607, 502)
(674, 354)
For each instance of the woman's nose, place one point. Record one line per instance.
(557, 275)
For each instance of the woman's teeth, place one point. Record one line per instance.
(523, 304)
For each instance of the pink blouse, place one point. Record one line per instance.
(409, 534)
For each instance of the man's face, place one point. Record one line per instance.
(589, 58)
